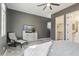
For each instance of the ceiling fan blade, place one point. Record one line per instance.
(50, 8)
(44, 8)
(41, 4)
(55, 4)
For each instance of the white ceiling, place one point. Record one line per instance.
(32, 8)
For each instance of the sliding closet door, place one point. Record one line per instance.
(72, 26)
(76, 27)
(69, 26)
(59, 26)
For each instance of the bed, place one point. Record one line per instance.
(64, 48)
(38, 50)
(54, 48)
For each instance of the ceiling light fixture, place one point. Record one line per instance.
(48, 4)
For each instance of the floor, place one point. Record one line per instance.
(18, 51)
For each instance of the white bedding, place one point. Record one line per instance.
(38, 50)
(64, 48)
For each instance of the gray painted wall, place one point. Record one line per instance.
(52, 32)
(72, 8)
(0, 19)
(16, 20)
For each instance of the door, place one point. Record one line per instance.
(59, 27)
(72, 25)
(68, 26)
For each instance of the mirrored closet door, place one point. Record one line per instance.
(59, 28)
(72, 26)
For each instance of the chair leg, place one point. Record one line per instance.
(21, 45)
(14, 44)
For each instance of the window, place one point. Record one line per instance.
(49, 25)
(3, 20)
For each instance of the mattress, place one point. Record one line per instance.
(64, 48)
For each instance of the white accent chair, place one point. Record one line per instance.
(13, 37)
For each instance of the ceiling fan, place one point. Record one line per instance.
(48, 5)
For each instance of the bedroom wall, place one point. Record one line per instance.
(72, 8)
(16, 20)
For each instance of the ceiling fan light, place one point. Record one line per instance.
(48, 4)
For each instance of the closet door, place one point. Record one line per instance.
(69, 26)
(59, 26)
(72, 26)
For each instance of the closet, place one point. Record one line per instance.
(59, 27)
(72, 26)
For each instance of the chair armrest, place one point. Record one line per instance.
(19, 38)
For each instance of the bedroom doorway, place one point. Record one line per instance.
(59, 27)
